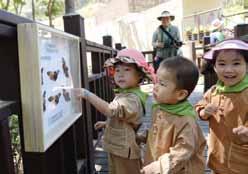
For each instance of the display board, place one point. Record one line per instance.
(49, 62)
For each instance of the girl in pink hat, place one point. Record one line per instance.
(224, 106)
(124, 112)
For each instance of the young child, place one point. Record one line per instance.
(175, 142)
(225, 107)
(124, 112)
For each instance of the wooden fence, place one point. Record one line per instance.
(73, 152)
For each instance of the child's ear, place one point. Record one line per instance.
(214, 68)
(182, 94)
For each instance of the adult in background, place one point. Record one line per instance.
(217, 33)
(166, 38)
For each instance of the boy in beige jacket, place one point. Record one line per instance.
(175, 142)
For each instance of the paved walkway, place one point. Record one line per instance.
(101, 156)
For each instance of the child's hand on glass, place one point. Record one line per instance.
(81, 92)
(242, 132)
(100, 125)
(208, 111)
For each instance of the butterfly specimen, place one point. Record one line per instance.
(53, 75)
(65, 67)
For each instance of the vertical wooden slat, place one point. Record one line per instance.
(6, 157)
(69, 150)
(107, 41)
(74, 24)
(96, 62)
(240, 30)
(210, 77)
(94, 112)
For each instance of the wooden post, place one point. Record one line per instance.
(74, 24)
(107, 40)
(118, 46)
(240, 30)
(97, 65)
(210, 77)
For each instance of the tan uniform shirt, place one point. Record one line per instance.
(176, 143)
(227, 153)
(119, 135)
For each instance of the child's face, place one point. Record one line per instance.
(126, 76)
(165, 90)
(230, 67)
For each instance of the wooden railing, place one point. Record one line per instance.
(73, 152)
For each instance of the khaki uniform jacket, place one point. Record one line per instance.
(119, 135)
(176, 143)
(227, 153)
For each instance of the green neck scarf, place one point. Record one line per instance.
(181, 109)
(137, 91)
(221, 88)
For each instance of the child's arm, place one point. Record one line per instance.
(242, 132)
(125, 108)
(204, 109)
(178, 155)
(100, 104)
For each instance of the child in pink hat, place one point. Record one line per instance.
(124, 112)
(224, 106)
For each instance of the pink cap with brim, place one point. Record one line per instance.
(132, 56)
(226, 45)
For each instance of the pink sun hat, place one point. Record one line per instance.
(232, 44)
(132, 56)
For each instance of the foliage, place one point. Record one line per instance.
(4, 4)
(14, 6)
(49, 8)
(231, 3)
(16, 143)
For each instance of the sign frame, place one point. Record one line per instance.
(49, 63)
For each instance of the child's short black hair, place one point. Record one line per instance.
(184, 71)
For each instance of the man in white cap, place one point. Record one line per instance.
(166, 45)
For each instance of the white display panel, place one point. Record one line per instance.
(49, 66)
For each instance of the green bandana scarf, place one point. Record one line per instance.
(137, 91)
(221, 88)
(181, 109)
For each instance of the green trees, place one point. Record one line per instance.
(15, 6)
(48, 9)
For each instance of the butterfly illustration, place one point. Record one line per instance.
(54, 99)
(44, 101)
(65, 67)
(41, 70)
(53, 75)
(66, 95)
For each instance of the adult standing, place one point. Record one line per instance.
(217, 33)
(166, 38)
